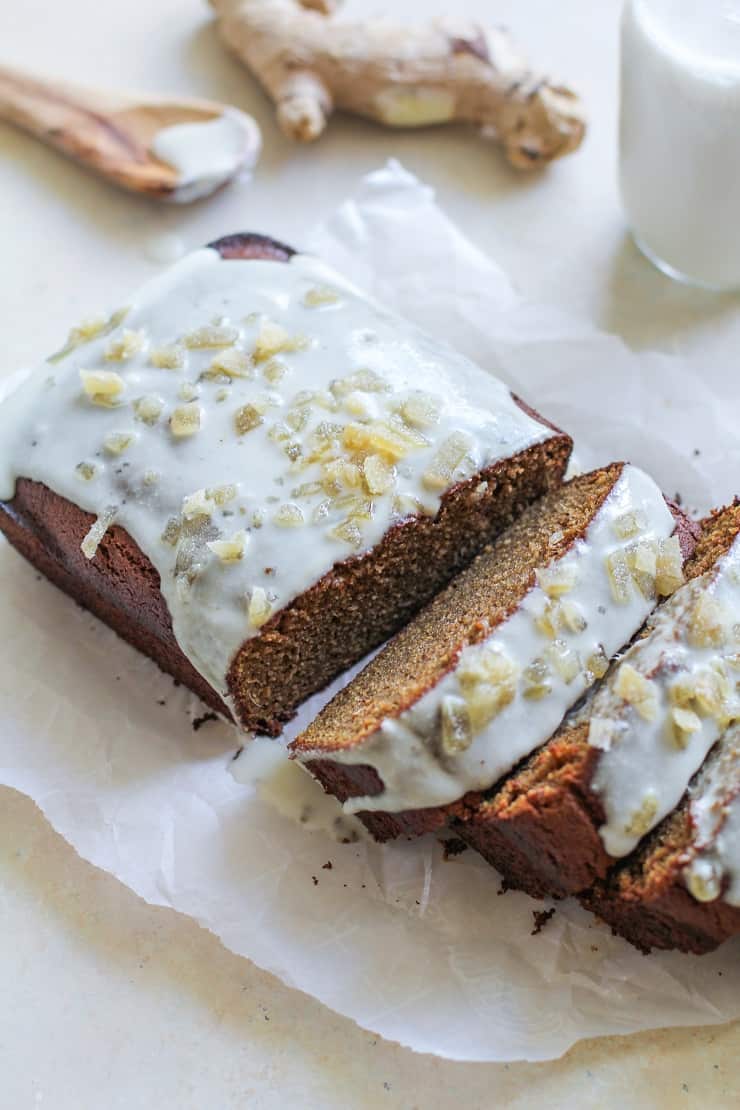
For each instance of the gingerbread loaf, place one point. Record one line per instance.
(682, 889)
(623, 761)
(485, 674)
(255, 475)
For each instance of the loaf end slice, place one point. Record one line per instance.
(541, 828)
(681, 890)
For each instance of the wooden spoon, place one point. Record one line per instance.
(170, 149)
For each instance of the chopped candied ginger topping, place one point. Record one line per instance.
(91, 542)
(379, 476)
(597, 664)
(86, 471)
(601, 733)
(405, 505)
(171, 357)
(340, 475)
(456, 730)
(455, 451)
(564, 661)
(571, 617)
(320, 296)
(89, 330)
(222, 495)
(363, 406)
(558, 579)
(708, 692)
(421, 410)
(487, 679)
(188, 391)
(289, 516)
(115, 443)
(669, 571)
(349, 532)
(198, 504)
(361, 381)
(620, 579)
(124, 346)
(274, 370)
(704, 881)
(148, 408)
(229, 364)
(630, 524)
(185, 420)
(102, 387)
(172, 531)
(211, 336)
(259, 608)
(273, 339)
(382, 437)
(654, 567)
(645, 559)
(643, 819)
(247, 418)
(706, 623)
(637, 691)
(537, 681)
(683, 723)
(230, 550)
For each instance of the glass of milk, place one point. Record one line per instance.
(680, 136)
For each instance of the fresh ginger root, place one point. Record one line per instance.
(311, 63)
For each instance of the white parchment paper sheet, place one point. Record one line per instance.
(416, 949)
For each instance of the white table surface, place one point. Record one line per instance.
(107, 1002)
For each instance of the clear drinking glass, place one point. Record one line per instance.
(680, 136)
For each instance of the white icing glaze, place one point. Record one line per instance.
(715, 814)
(407, 753)
(49, 426)
(286, 786)
(643, 773)
(207, 154)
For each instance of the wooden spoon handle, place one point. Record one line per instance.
(66, 118)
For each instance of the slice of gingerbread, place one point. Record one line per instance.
(682, 890)
(485, 674)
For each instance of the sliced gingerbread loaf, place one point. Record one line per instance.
(256, 475)
(486, 673)
(621, 762)
(682, 889)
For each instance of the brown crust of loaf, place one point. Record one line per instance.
(541, 828)
(429, 648)
(356, 606)
(647, 903)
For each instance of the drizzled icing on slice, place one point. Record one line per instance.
(714, 869)
(666, 703)
(250, 424)
(508, 694)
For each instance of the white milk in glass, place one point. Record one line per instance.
(680, 136)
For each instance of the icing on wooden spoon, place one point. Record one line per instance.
(172, 149)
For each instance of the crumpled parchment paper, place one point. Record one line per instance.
(419, 950)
